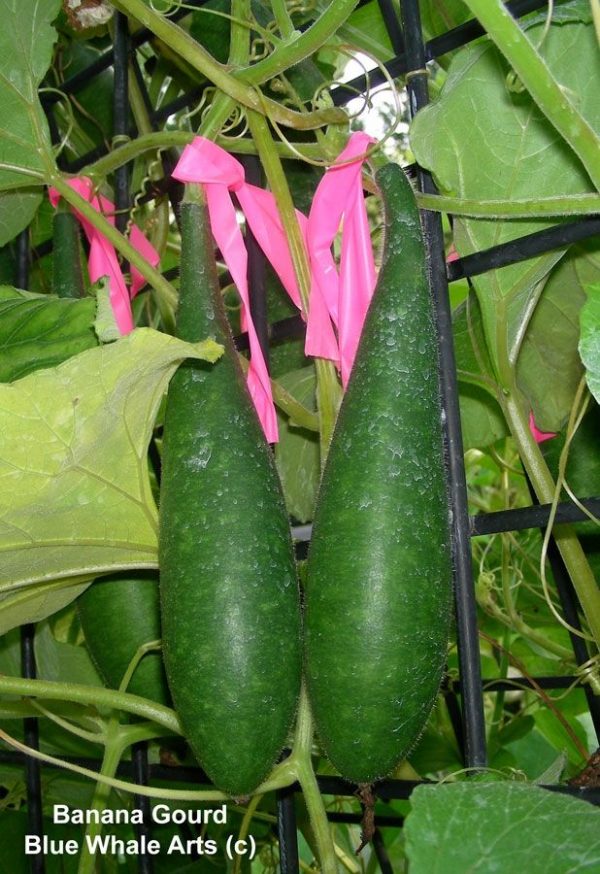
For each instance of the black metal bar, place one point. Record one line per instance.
(288, 836)
(381, 852)
(568, 602)
(121, 45)
(33, 777)
(531, 517)
(466, 608)
(23, 259)
(392, 25)
(523, 248)
(142, 802)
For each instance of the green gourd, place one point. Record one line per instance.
(229, 591)
(119, 614)
(379, 569)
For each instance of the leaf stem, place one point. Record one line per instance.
(537, 78)
(93, 696)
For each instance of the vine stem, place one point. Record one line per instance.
(113, 751)
(166, 295)
(152, 142)
(537, 78)
(584, 582)
(93, 696)
(241, 86)
(301, 763)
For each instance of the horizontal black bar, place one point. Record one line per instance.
(506, 520)
(523, 248)
(531, 517)
(515, 683)
(384, 789)
(435, 48)
(383, 820)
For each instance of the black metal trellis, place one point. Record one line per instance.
(464, 698)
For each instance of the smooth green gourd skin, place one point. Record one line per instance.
(229, 591)
(378, 590)
(67, 272)
(118, 614)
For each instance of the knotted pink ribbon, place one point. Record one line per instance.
(340, 298)
(220, 174)
(103, 259)
(539, 436)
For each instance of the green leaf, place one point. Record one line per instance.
(17, 209)
(41, 331)
(589, 346)
(297, 453)
(500, 827)
(549, 367)
(76, 499)
(503, 149)
(481, 417)
(26, 42)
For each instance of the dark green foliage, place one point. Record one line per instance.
(379, 565)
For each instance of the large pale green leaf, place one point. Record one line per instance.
(26, 42)
(589, 346)
(41, 331)
(76, 498)
(297, 453)
(484, 138)
(17, 209)
(500, 828)
(549, 367)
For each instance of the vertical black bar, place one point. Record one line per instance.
(569, 606)
(142, 803)
(121, 115)
(256, 268)
(23, 260)
(33, 778)
(122, 47)
(392, 25)
(288, 836)
(381, 852)
(466, 613)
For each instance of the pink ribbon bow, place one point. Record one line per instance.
(103, 259)
(340, 298)
(220, 174)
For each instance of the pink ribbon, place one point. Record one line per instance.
(540, 436)
(220, 174)
(341, 298)
(103, 259)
